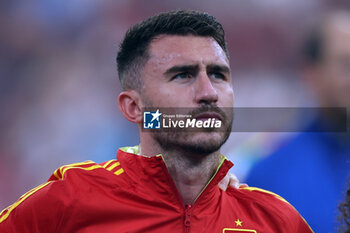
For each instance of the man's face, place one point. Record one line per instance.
(334, 81)
(188, 72)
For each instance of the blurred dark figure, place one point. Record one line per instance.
(310, 170)
(345, 211)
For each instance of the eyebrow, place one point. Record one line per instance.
(182, 68)
(218, 68)
(195, 68)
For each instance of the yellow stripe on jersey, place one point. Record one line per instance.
(59, 173)
(6, 212)
(265, 191)
(119, 171)
(109, 162)
(237, 230)
(278, 197)
(113, 166)
(84, 168)
(55, 173)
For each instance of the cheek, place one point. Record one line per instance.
(164, 96)
(174, 96)
(226, 96)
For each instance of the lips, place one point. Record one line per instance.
(208, 115)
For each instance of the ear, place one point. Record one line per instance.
(130, 105)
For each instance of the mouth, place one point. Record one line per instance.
(208, 115)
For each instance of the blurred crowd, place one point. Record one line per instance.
(59, 84)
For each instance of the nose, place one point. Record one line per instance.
(205, 92)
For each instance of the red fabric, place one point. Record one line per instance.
(143, 198)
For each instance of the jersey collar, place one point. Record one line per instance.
(152, 172)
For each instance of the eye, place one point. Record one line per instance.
(182, 76)
(217, 75)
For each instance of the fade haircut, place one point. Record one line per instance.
(133, 53)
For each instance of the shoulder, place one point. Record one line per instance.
(262, 197)
(36, 208)
(270, 207)
(51, 200)
(87, 168)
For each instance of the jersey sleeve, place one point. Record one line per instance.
(283, 215)
(43, 208)
(39, 210)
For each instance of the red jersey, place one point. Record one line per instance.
(137, 194)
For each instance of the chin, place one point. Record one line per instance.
(195, 143)
(206, 143)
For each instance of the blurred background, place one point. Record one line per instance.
(59, 84)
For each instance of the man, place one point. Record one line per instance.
(170, 182)
(314, 166)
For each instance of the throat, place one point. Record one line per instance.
(191, 176)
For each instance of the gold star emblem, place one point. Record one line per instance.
(238, 222)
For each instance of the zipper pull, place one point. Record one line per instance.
(187, 221)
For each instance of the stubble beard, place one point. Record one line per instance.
(195, 142)
(188, 142)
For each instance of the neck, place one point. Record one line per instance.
(190, 172)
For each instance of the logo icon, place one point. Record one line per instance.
(151, 120)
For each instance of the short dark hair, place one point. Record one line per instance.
(133, 52)
(312, 49)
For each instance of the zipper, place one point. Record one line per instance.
(187, 220)
(170, 178)
(188, 208)
(217, 169)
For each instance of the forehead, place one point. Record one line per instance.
(173, 49)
